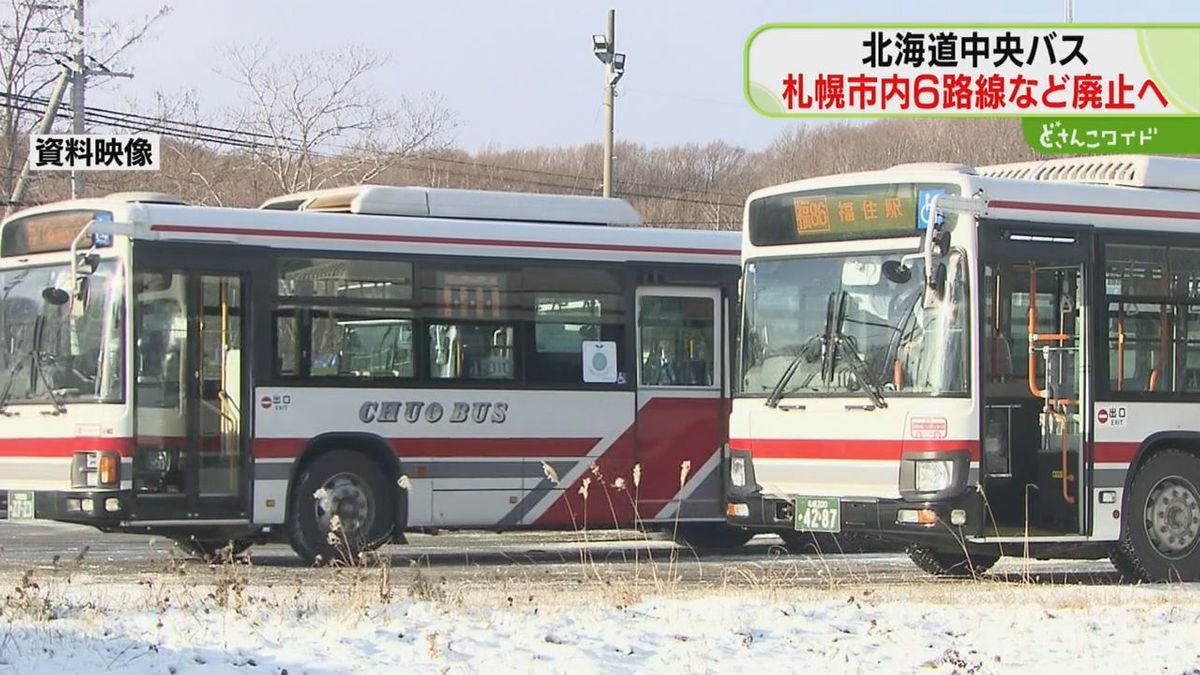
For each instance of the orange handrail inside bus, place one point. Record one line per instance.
(1066, 474)
(1034, 338)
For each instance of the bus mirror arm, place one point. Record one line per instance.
(933, 240)
(85, 264)
(938, 237)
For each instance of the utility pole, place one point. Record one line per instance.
(43, 127)
(78, 88)
(604, 47)
(75, 73)
(1067, 11)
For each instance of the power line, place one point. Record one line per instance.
(200, 133)
(292, 143)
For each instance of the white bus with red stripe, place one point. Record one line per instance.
(369, 360)
(977, 362)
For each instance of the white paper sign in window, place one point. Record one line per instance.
(599, 361)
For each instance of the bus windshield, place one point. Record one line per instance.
(47, 354)
(872, 306)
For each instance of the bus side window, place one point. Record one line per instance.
(676, 341)
(474, 351)
(562, 323)
(160, 339)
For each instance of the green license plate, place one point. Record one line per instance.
(818, 514)
(20, 505)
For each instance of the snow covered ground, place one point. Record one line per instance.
(223, 621)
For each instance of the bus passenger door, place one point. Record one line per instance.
(1035, 389)
(190, 417)
(681, 406)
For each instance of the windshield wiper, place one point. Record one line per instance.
(862, 372)
(824, 339)
(805, 354)
(39, 326)
(12, 377)
(844, 345)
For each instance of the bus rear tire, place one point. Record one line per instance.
(1160, 533)
(957, 564)
(341, 506)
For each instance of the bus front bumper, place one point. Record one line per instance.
(99, 508)
(936, 523)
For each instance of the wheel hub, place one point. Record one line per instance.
(1173, 516)
(347, 499)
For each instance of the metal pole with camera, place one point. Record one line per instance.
(604, 47)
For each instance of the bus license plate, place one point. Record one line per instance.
(818, 514)
(20, 505)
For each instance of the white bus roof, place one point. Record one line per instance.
(467, 223)
(383, 200)
(1143, 171)
(1135, 192)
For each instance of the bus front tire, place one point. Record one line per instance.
(956, 564)
(343, 504)
(1160, 533)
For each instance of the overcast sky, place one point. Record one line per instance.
(521, 73)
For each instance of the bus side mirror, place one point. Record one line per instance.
(897, 272)
(56, 296)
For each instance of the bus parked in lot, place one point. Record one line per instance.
(368, 360)
(977, 362)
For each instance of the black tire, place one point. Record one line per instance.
(213, 550)
(1171, 480)
(799, 543)
(358, 491)
(955, 565)
(712, 537)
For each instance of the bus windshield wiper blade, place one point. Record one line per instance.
(39, 327)
(805, 354)
(12, 377)
(842, 344)
(55, 401)
(862, 372)
(777, 391)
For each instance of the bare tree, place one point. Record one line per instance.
(316, 121)
(35, 40)
(31, 35)
(198, 164)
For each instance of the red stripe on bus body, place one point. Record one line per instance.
(63, 447)
(1094, 210)
(415, 239)
(1116, 453)
(516, 448)
(764, 448)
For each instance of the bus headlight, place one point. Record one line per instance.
(737, 471)
(934, 475)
